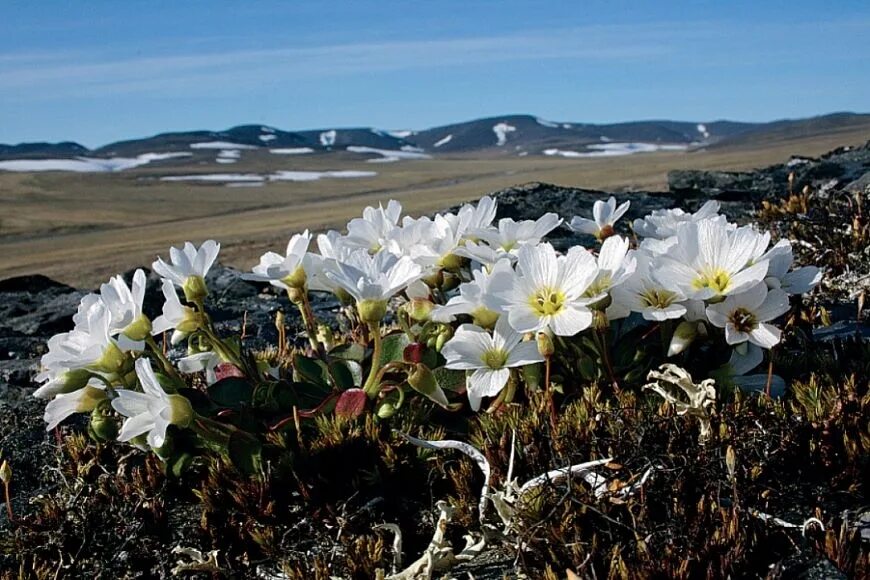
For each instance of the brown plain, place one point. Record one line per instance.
(82, 228)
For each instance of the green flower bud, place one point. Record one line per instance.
(424, 382)
(443, 336)
(386, 410)
(684, 335)
(419, 309)
(5, 473)
(372, 311)
(325, 336)
(194, 288)
(545, 344)
(181, 413)
(112, 360)
(103, 426)
(451, 262)
(139, 329)
(297, 279)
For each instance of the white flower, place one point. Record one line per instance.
(511, 235)
(373, 280)
(287, 271)
(548, 294)
(183, 319)
(479, 217)
(798, 281)
(482, 299)
(332, 247)
(745, 357)
(87, 346)
(744, 316)
(643, 293)
(430, 243)
(663, 223)
(710, 260)
(152, 410)
(187, 262)
(616, 263)
(605, 214)
(124, 304)
(485, 254)
(83, 400)
(189, 267)
(371, 231)
(489, 356)
(201, 361)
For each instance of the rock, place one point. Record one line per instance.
(861, 184)
(37, 305)
(688, 184)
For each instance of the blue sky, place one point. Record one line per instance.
(97, 71)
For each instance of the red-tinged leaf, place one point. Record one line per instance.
(413, 353)
(351, 403)
(226, 370)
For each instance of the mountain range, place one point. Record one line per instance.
(505, 135)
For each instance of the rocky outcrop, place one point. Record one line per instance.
(843, 168)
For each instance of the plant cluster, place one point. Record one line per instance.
(447, 308)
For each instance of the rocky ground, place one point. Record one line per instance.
(33, 308)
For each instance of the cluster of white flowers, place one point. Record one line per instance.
(508, 291)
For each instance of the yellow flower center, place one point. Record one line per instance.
(494, 358)
(743, 320)
(547, 301)
(658, 298)
(716, 279)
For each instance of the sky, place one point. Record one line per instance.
(98, 71)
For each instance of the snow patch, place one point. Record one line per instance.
(567, 126)
(401, 134)
(389, 155)
(443, 141)
(327, 138)
(501, 130)
(220, 145)
(615, 150)
(546, 123)
(254, 179)
(267, 138)
(795, 161)
(266, 129)
(702, 129)
(292, 151)
(87, 164)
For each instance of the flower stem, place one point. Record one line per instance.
(167, 366)
(308, 319)
(372, 384)
(605, 356)
(8, 502)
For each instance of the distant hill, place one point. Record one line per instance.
(504, 135)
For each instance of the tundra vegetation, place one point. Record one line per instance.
(655, 403)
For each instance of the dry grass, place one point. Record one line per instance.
(81, 228)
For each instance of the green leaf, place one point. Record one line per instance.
(393, 348)
(311, 370)
(450, 380)
(351, 351)
(231, 392)
(244, 452)
(343, 377)
(178, 463)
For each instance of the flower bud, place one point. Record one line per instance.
(74, 380)
(372, 311)
(413, 353)
(180, 411)
(296, 280)
(443, 336)
(545, 345)
(423, 381)
(103, 427)
(684, 335)
(112, 361)
(195, 288)
(139, 329)
(386, 410)
(419, 309)
(451, 262)
(5, 473)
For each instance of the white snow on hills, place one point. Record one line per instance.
(390, 155)
(546, 123)
(221, 145)
(501, 130)
(87, 164)
(327, 138)
(443, 141)
(236, 179)
(702, 129)
(615, 150)
(292, 151)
